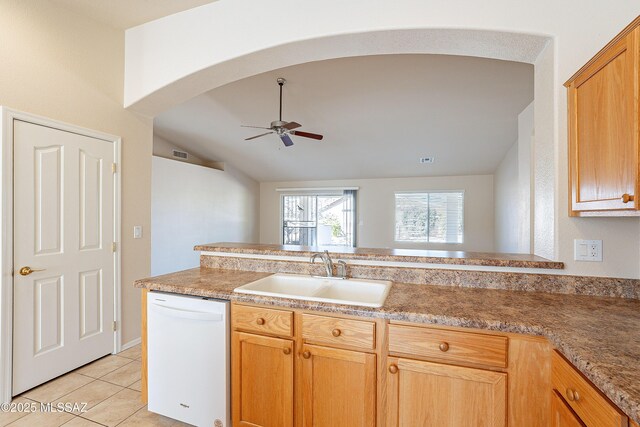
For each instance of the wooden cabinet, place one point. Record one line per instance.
(436, 395)
(262, 378)
(591, 406)
(338, 387)
(603, 109)
(561, 413)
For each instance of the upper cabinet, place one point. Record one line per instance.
(604, 107)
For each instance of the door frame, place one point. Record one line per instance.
(7, 117)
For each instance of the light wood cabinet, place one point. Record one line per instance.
(262, 378)
(591, 406)
(603, 116)
(338, 387)
(561, 413)
(435, 395)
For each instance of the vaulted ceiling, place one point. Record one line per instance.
(379, 115)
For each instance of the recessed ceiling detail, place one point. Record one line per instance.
(376, 113)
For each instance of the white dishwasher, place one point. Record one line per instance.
(188, 358)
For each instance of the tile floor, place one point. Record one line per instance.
(110, 387)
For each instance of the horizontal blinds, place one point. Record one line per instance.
(430, 217)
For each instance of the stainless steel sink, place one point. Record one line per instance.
(368, 293)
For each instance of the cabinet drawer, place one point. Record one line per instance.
(264, 320)
(332, 330)
(449, 346)
(592, 407)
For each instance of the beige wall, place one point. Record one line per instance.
(376, 209)
(69, 68)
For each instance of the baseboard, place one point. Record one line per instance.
(130, 344)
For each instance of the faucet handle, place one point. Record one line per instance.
(341, 266)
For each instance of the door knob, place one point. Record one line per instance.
(25, 271)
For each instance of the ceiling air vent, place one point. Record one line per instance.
(180, 154)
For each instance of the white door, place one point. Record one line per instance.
(63, 230)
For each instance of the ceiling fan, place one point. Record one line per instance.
(284, 129)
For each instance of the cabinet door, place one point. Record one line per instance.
(262, 381)
(561, 414)
(603, 130)
(434, 395)
(338, 387)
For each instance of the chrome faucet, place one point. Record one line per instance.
(328, 265)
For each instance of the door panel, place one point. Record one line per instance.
(436, 395)
(561, 414)
(48, 199)
(90, 201)
(63, 229)
(338, 387)
(262, 381)
(48, 322)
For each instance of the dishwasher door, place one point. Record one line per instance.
(188, 358)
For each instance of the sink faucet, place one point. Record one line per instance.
(328, 265)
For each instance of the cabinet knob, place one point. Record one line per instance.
(306, 354)
(626, 198)
(444, 346)
(286, 350)
(260, 321)
(393, 369)
(570, 395)
(336, 332)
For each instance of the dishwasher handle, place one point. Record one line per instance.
(186, 314)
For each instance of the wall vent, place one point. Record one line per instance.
(181, 154)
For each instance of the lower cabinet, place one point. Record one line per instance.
(262, 381)
(561, 414)
(338, 387)
(435, 395)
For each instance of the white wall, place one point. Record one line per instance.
(193, 204)
(512, 191)
(67, 67)
(376, 213)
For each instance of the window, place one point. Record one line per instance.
(435, 217)
(320, 219)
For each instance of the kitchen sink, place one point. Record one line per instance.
(368, 293)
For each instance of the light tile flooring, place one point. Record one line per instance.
(110, 387)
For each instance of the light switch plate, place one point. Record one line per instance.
(137, 232)
(587, 250)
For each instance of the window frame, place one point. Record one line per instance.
(423, 242)
(313, 192)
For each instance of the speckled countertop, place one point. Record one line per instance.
(599, 335)
(389, 255)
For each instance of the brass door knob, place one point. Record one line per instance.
(306, 354)
(393, 369)
(336, 332)
(25, 271)
(443, 346)
(260, 321)
(570, 395)
(626, 198)
(286, 350)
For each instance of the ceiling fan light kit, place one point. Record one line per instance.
(282, 128)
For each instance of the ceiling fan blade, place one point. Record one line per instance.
(307, 134)
(292, 125)
(253, 127)
(286, 140)
(258, 136)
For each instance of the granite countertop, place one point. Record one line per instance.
(599, 335)
(390, 255)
